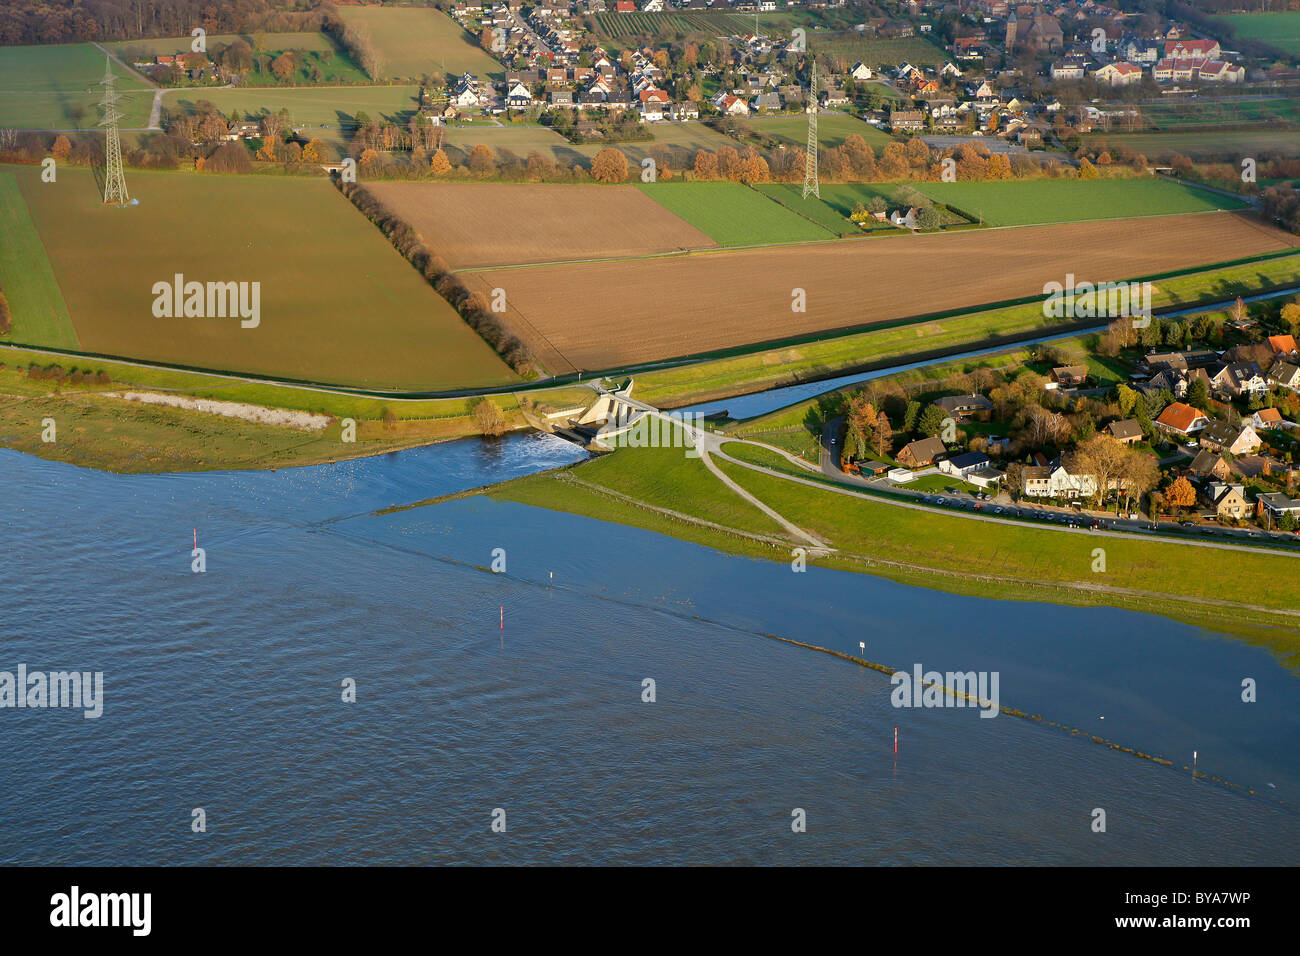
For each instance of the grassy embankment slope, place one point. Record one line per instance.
(661, 490)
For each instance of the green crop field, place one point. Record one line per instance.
(56, 87)
(636, 26)
(876, 52)
(1022, 202)
(832, 129)
(1204, 145)
(36, 305)
(1281, 30)
(414, 41)
(330, 107)
(734, 215)
(337, 303)
(1238, 110)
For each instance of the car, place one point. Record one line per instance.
(979, 506)
(1207, 531)
(997, 511)
(942, 501)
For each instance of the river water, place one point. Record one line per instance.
(222, 691)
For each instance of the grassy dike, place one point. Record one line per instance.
(663, 491)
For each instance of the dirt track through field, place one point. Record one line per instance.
(502, 223)
(605, 314)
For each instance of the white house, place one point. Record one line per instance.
(861, 71)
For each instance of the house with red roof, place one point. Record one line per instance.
(1182, 419)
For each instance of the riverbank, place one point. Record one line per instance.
(660, 490)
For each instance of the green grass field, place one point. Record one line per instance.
(826, 213)
(732, 214)
(338, 303)
(1281, 30)
(1022, 202)
(1204, 145)
(35, 303)
(414, 41)
(56, 87)
(832, 129)
(307, 106)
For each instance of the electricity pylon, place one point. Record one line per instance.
(810, 185)
(114, 180)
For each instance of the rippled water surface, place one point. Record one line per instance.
(222, 691)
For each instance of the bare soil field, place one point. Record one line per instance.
(607, 314)
(496, 224)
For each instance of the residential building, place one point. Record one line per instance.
(1228, 501)
(965, 408)
(964, 464)
(1182, 419)
(922, 452)
(1234, 439)
(1285, 375)
(1126, 431)
(1266, 418)
(1070, 376)
(1209, 464)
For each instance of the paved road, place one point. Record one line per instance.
(155, 112)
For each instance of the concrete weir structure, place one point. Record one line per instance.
(613, 413)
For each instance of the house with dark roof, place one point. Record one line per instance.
(1239, 378)
(1126, 431)
(922, 452)
(964, 464)
(1208, 464)
(965, 408)
(1070, 376)
(1285, 375)
(1219, 435)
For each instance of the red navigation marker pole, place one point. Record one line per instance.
(196, 539)
(895, 741)
(503, 627)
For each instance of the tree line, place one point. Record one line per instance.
(72, 21)
(471, 306)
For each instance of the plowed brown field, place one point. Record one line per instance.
(606, 314)
(496, 224)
